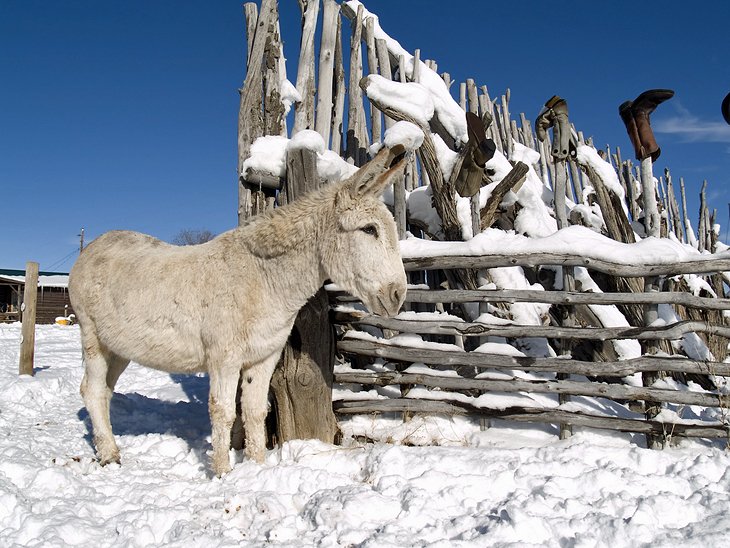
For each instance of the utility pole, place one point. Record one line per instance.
(81, 245)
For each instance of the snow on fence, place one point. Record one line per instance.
(548, 295)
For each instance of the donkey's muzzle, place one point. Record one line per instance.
(390, 299)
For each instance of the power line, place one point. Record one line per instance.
(62, 260)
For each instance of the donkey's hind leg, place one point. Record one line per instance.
(102, 369)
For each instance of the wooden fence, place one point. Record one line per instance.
(454, 381)
(676, 395)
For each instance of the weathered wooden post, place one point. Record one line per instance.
(302, 382)
(330, 28)
(357, 137)
(304, 111)
(28, 310)
(555, 115)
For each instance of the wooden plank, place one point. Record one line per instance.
(302, 382)
(250, 10)
(672, 331)
(515, 177)
(613, 391)
(563, 297)
(273, 110)
(719, 262)
(250, 115)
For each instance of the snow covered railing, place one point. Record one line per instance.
(534, 415)
(475, 329)
(705, 264)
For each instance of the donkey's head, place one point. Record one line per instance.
(362, 255)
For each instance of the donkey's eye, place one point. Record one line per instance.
(371, 230)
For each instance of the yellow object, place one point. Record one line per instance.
(63, 321)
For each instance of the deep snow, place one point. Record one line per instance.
(502, 487)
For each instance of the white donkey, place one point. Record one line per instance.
(227, 306)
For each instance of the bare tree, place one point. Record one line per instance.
(192, 237)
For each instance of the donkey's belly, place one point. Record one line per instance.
(164, 348)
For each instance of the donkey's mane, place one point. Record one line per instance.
(288, 228)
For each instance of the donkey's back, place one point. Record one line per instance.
(145, 300)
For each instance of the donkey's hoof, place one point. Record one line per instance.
(111, 460)
(256, 455)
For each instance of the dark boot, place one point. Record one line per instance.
(561, 127)
(479, 150)
(641, 108)
(624, 111)
(483, 148)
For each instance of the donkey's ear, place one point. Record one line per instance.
(373, 178)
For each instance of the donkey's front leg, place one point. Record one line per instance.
(222, 409)
(254, 405)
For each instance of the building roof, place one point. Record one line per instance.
(45, 278)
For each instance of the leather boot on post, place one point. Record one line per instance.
(624, 111)
(479, 150)
(641, 108)
(485, 148)
(561, 127)
(726, 108)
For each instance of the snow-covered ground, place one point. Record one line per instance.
(502, 487)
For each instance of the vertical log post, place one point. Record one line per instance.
(304, 111)
(302, 382)
(399, 186)
(566, 313)
(338, 102)
(651, 284)
(376, 123)
(330, 26)
(28, 311)
(250, 116)
(357, 138)
(555, 116)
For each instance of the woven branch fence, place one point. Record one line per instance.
(667, 392)
(453, 381)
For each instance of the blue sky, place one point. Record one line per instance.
(122, 115)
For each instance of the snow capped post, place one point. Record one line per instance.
(28, 309)
(251, 121)
(411, 137)
(302, 382)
